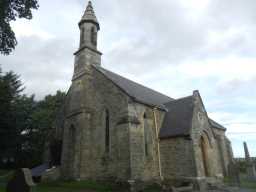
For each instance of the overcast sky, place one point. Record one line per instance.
(171, 46)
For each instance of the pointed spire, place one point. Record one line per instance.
(89, 15)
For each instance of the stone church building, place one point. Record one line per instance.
(114, 128)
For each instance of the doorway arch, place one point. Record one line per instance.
(204, 144)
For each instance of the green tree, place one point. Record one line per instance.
(24, 108)
(10, 89)
(25, 124)
(10, 10)
(43, 118)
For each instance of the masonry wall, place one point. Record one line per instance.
(223, 150)
(88, 98)
(202, 129)
(229, 150)
(177, 158)
(144, 162)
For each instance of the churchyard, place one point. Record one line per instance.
(92, 186)
(128, 136)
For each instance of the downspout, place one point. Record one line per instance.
(158, 145)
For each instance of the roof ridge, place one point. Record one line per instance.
(143, 88)
(179, 99)
(212, 122)
(132, 81)
(178, 119)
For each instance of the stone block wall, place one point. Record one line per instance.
(201, 129)
(177, 158)
(89, 97)
(223, 150)
(143, 142)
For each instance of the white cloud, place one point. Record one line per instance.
(226, 68)
(171, 46)
(24, 28)
(239, 125)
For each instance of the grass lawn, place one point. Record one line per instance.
(74, 186)
(2, 187)
(88, 186)
(248, 184)
(65, 186)
(244, 183)
(82, 186)
(5, 175)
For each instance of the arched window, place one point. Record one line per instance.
(72, 135)
(93, 36)
(204, 149)
(145, 124)
(82, 36)
(107, 139)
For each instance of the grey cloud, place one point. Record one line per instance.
(136, 37)
(164, 31)
(44, 65)
(237, 87)
(158, 35)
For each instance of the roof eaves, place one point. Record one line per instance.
(131, 96)
(216, 125)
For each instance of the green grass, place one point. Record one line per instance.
(73, 186)
(244, 182)
(70, 186)
(5, 175)
(3, 171)
(152, 188)
(2, 187)
(248, 184)
(64, 186)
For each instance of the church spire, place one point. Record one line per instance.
(87, 53)
(89, 16)
(89, 27)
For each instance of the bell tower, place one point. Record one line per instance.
(87, 53)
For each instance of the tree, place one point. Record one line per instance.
(10, 89)
(10, 10)
(26, 124)
(43, 119)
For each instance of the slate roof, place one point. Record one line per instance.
(138, 92)
(178, 119)
(216, 125)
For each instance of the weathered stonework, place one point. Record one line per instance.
(88, 114)
(144, 165)
(177, 158)
(206, 164)
(109, 133)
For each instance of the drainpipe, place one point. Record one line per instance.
(158, 146)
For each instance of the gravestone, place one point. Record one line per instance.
(38, 171)
(233, 173)
(21, 182)
(250, 168)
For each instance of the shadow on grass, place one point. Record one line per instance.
(77, 186)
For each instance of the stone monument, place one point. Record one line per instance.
(250, 169)
(21, 182)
